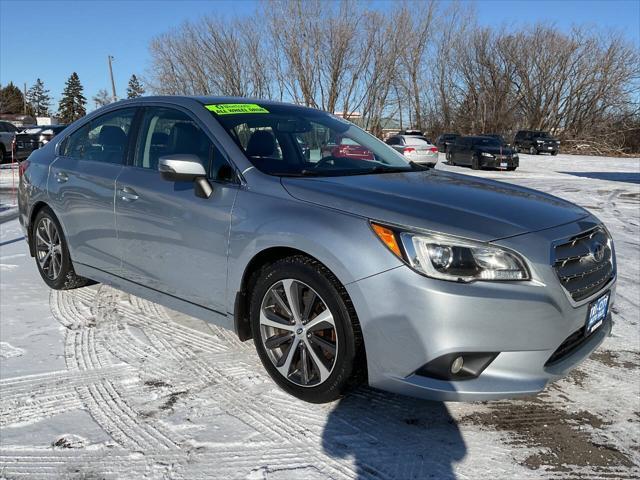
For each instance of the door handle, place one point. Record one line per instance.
(61, 177)
(128, 194)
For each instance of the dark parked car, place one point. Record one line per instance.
(535, 142)
(33, 138)
(482, 152)
(444, 140)
(7, 135)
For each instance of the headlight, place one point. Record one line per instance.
(485, 154)
(452, 258)
(539, 141)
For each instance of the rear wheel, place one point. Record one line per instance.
(532, 150)
(304, 329)
(52, 254)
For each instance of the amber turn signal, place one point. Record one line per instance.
(388, 237)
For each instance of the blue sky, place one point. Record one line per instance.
(51, 39)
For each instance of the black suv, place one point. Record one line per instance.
(444, 140)
(479, 152)
(535, 142)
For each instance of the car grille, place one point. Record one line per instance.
(585, 263)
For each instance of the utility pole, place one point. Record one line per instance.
(113, 84)
(24, 98)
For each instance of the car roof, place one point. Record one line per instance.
(206, 100)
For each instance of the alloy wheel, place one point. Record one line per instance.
(298, 332)
(48, 248)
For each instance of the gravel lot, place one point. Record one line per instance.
(96, 383)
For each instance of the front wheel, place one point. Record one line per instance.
(533, 151)
(305, 330)
(52, 255)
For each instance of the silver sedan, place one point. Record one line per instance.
(342, 268)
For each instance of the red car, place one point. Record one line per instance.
(346, 148)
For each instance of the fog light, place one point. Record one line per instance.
(456, 365)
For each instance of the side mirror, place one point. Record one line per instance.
(185, 168)
(181, 168)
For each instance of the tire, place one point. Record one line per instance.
(511, 169)
(57, 271)
(475, 163)
(291, 344)
(554, 153)
(533, 151)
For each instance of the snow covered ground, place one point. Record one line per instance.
(96, 383)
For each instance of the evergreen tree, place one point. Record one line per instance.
(135, 88)
(72, 103)
(39, 99)
(102, 98)
(11, 99)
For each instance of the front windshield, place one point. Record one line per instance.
(286, 140)
(486, 141)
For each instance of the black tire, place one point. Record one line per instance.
(349, 364)
(66, 277)
(475, 163)
(554, 153)
(533, 150)
(511, 169)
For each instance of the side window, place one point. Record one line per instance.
(167, 131)
(103, 139)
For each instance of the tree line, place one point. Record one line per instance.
(72, 104)
(427, 65)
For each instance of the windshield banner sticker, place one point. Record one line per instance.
(235, 108)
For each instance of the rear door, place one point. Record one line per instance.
(173, 241)
(82, 185)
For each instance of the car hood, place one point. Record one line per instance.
(440, 201)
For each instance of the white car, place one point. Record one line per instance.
(416, 148)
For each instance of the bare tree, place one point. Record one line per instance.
(427, 63)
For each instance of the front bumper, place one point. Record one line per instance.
(409, 320)
(499, 162)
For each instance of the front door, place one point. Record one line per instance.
(81, 187)
(173, 241)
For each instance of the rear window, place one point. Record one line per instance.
(416, 141)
